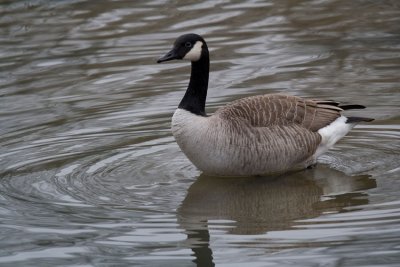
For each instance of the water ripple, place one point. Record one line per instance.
(89, 171)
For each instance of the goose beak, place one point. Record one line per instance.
(169, 56)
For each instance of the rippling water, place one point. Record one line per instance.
(91, 176)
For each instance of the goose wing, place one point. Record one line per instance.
(283, 110)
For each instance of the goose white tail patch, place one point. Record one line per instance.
(195, 53)
(332, 133)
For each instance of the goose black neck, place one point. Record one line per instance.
(194, 99)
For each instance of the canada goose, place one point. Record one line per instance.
(257, 135)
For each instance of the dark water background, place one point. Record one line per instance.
(91, 176)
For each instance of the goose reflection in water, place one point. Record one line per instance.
(260, 204)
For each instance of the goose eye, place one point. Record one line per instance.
(188, 44)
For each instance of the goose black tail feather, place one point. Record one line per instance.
(358, 119)
(355, 106)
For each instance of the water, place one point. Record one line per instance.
(91, 176)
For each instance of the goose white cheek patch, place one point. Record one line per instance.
(195, 53)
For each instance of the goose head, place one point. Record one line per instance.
(190, 47)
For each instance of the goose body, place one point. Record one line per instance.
(257, 135)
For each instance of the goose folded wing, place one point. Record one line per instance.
(282, 110)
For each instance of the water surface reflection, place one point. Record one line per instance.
(256, 205)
